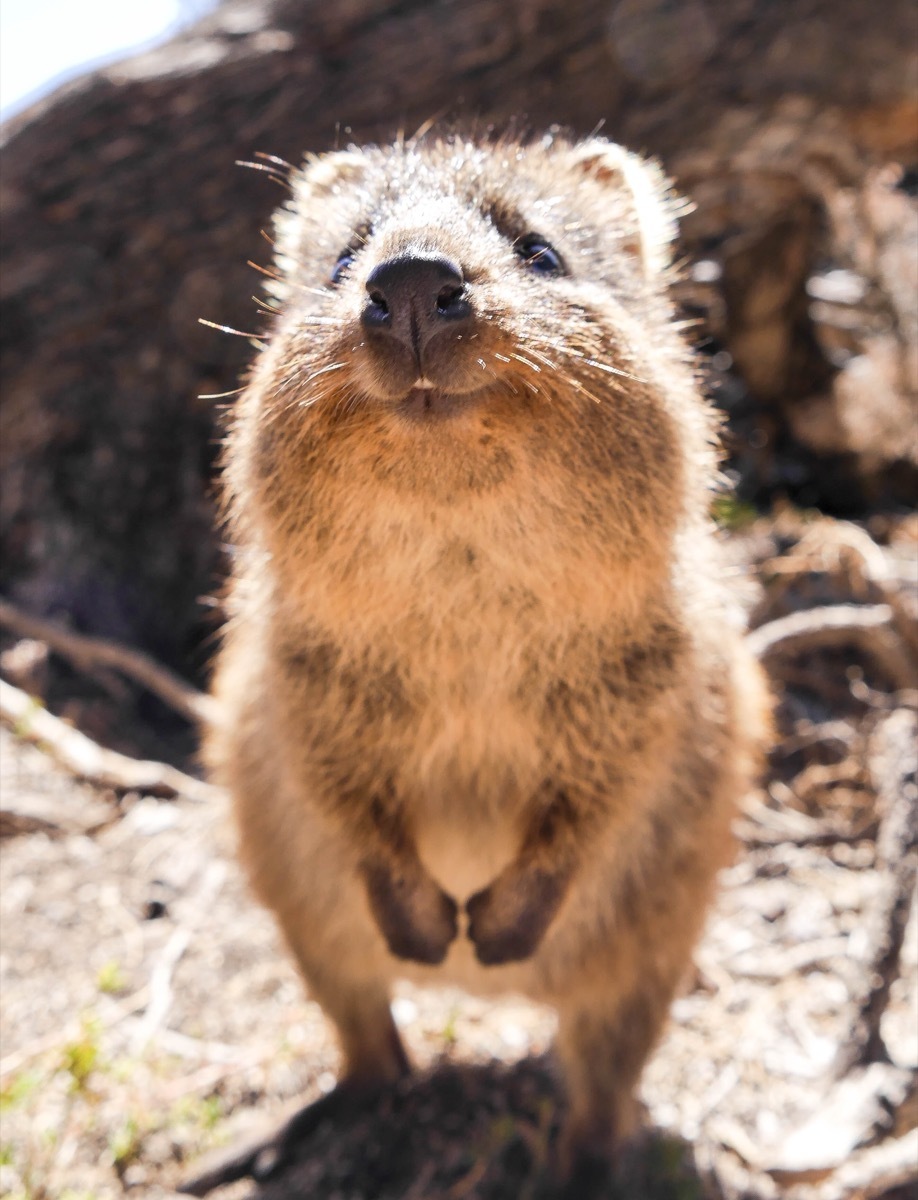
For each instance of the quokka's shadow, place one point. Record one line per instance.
(469, 1133)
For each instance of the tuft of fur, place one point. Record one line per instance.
(486, 705)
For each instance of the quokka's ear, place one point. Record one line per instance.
(323, 172)
(649, 211)
(320, 176)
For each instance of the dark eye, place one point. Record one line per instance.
(342, 266)
(538, 255)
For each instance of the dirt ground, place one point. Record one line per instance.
(150, 1015)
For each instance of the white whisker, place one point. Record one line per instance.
(610, 370)
(336, 366)
(226, 329)
(220, 395)
(592, 362)
(526, 362)
(542, 359)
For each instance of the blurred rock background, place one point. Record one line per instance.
(790, 124)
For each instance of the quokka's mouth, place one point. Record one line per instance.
(425, 399)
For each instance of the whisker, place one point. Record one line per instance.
(264, 270)
(578, 386)
(351, 402)
(506, 382)
(519, 358)
(226, 329)
(425, 127)
(490, 370)
(324, 292)
(341, 408)
(312, 400)
(220, 395)
(542, 359)
(272, 158)
(296, 384)
(324, 371)
(593, 362)
(302, 287)
(279, 177)
(254, 166)
(305, 426)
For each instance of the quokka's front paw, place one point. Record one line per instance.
(415, 916)
(508, 919)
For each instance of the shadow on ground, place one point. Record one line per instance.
(469, 1133)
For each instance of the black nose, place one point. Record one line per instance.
(414, 296)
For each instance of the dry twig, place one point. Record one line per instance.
(164, 968)
(870, 626)
(86, 653)
(873, 1173)
(893, 766)
(849, 1116)
(87, 760)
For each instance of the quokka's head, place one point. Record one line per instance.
(451, 313)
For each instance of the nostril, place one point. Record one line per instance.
(379, 300)
(450, 299)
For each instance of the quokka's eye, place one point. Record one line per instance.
(538, 255)
(342, 266)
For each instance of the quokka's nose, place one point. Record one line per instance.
(414, 296)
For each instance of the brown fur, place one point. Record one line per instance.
(487, 710)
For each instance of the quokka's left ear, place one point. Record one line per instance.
(650, 209)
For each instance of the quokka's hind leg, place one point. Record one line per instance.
(372, 1051)
(341, 976)
(603, 1043)
(611, 1018)
(357, 1003)
(603, 1049)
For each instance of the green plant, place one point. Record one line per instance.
(732, 513)
(124, 1144)
(110, 978)
(80, 1057)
